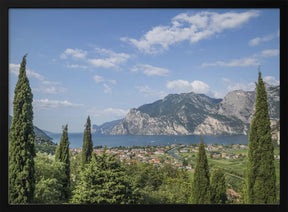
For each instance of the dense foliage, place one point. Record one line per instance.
(218, 187)
(261, 177)
(21, 143)
(102, 181)
(62, 155)
(49, 176)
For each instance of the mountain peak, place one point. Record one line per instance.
(191, 113)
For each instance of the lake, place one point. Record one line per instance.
(76, 140)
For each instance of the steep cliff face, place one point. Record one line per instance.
(190, 113)
(214, 126)
(239, 104)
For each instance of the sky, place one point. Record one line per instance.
(103, 62)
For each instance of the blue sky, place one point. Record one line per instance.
(103, 62)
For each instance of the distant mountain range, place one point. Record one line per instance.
(194, 114)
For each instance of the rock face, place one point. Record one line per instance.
(239, 104)
(195, 114)
(139, 123)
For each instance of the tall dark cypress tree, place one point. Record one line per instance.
(218, 187)
(62, 155)
(201, 180)
(21, 143)
(260, 174)
(87, 147)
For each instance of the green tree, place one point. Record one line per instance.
(49, 176)
(87, 147)
(201, 180)
(21, 143)
(62, 155)
(218, 187)
(260, 174)
(102, 181)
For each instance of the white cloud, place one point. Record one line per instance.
(246, 61)
(46, 104)
(77, 66)
(231, 86)
(105, 58)
(112, 113)
(74, 53)
(150, 70)
(271, 80)
(235, 63)
(257, 40)
(45, 82)
(14, 69)
(180, 86)
(107, 89)
(98, 79)
(189, 27)
(184, 86)
(115, 111)
(270, 53)
(50, 90)
(104, 63)
(112, 59)
(148, 92)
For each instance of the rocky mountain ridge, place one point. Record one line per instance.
(195, 114)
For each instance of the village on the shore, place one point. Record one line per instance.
(172, 154)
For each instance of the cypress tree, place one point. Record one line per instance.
(21, 143)
(201, 180)
(260, 175)
(62, 155)
(218, 187)
(87, 147)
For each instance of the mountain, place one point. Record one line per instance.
(241, 104)
(105, 128)
(195, 114)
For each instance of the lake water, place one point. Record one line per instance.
(76, 140)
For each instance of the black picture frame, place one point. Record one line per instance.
(4, 78)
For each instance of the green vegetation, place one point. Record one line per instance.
(102, 181)
(201, 181)
(62, 155)
(261, 177)
(87, 147)
(49, 176)
(218, 187)
(21, 143)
